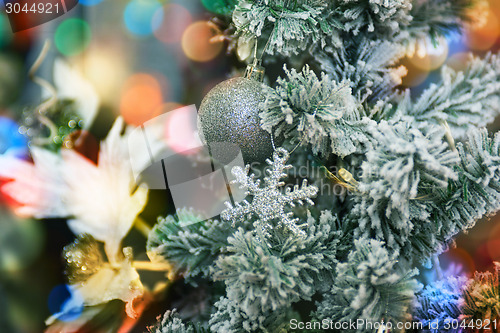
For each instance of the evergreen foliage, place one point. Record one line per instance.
(383, 17)
(410, 191)
(230, 319)
(405, 168)
(320, 112)
(368, 65)
(465, 99)
(418, 208)
(369, 286)
(475, 194)
(482, 297)
(291, 26)
(437, 17)
(261, 278)
(188, 245)
(441, 303)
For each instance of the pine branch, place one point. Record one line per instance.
(188, 245)
(403, 170)
(437, 18)
(262, 278)
(466, 99)
(441, 303)
(319, 112)
(379, 18)
(368, 65)
(482, 297)
(413, 210)
(292, 26)
(230, 319)
(474, 195)
(370, 287)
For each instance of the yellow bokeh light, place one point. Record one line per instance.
(484, 36)
(106, 70)
(458, 61)
(429, 55)
(415, 76)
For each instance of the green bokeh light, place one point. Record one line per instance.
(219, 7)
(72, 36)
(5, 30)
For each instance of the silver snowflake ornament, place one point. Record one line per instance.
(269, 202)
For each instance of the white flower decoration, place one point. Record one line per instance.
(108, 283)
(70, 84)
(37, 187)
(99, 196)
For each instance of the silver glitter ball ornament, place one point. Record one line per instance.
(230, 113)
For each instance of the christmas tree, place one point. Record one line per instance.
(352, 184)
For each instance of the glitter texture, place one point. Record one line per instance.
(83, 258)
(230, 113)
(269, 202)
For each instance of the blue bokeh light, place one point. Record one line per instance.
(11, 141)
(89, 2)
(142, 17)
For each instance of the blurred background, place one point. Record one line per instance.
(144, 58)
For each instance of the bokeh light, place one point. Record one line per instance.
(179, 130)
(141, 99)
(197, 44)
(169, 106)
(176, 19)
(5, 30)
(106, 69)
(220, 7)
(458, 256)
(11, 141)
(72, 36)
(458, 61)
(430, 55)
(493, 243)
(21, 241)
(142, 17)
(89, 2)
(415, 76)
(484, 36)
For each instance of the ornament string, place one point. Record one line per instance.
(42, 109)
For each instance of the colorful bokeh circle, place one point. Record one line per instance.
(11, 141)
(198, 43)
(220, 7)
(141, 99)
(89, 2)
(72, 36)
(142, 17)
(176, 19)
